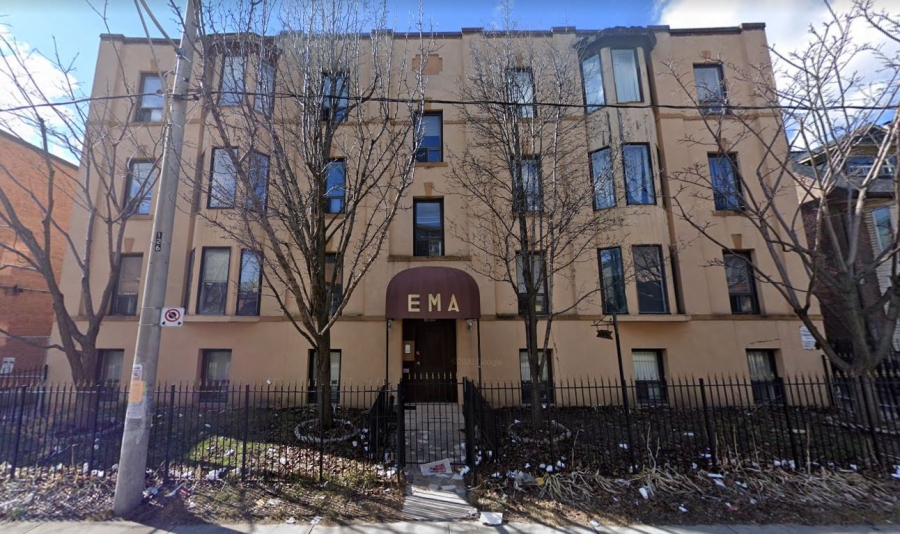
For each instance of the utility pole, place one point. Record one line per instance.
(139, 414)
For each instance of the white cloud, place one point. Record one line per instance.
(33, 79)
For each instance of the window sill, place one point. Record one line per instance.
(400, 258)
(431, 164)
(655, 318)
(141, 218)
(728, 213)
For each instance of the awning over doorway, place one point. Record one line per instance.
(433, 293)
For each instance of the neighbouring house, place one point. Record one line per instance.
(678, 315)
(26, 309)
(876, 232)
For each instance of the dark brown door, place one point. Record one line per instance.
(433, 376)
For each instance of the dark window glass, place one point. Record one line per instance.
(884, 229)
(429, 227)
(429, 129)
(649, 377)
(604, 179)
(726, 186)
(335, 374)
(141, 177)
(764, 376)
(538, 282)
(546, 376)
(520, 91)
(259, 181)
(213, 288)
(335, 182)
(638, 175)
(125, 301)
(188, 281)
(110, 368)
(215, 370)
(150, 105)
(530, 197)
(741, 285)
(335, 97)
(249, 284)
(710, 88)
(334, 271)
(625, 72)
(265, 87)
(649, 274)
(223, 183)
(592, 77)
(612, 280)
(232, 88)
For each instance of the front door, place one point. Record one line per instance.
(432, 373)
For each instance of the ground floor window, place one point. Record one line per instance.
(109, 373)
(546, 376)
(8, 365)
(764, 376)
(335, 377)
(649, 377)
(215, 370)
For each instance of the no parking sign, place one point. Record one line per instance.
(172, 317)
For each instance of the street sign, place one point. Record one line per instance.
(172, 317)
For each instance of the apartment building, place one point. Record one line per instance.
(694, 311)
(26, 309)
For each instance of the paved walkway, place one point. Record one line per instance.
(463, 527)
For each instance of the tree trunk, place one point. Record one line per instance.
(87, 393)
(534, 363)
(323, 381)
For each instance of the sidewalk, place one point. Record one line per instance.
(463, 527)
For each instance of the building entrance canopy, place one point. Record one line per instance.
(433, 293)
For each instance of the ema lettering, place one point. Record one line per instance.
(414, 303)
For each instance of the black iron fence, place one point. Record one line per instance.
(801, 422)
(199, 431)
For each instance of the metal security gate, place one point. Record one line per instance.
(430, 431)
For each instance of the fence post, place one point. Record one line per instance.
(20, 406)
(401, 428)
(170, 418)
(870, 418)
(246, 432)
(710, 436)
(96, 405)
(469, 407)
(779, 384)
(321, 436)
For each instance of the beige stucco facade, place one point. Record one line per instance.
(698, 336)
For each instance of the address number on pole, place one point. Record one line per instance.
(172, 317)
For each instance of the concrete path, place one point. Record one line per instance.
(463, 527)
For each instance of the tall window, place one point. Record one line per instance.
(188, 281)
(428, 216)
(335, 183)
(232, 87)
(334, 271)
(638, 175)
(150, 105)
(604, 181)
(215, 370)
(530, 197)
(125, 301)
(649, 273)
(259, 181)
(520, 90)
(109, 371)
(710, 88)
(249, 284)
(429, 130)
(741, 284)
(726, 186)
(649, 376)
(763, 376)
(884, 230)
(141, 177)
(612, 280)
(213, 287)
(625, 71)
(546, 376)
(592, 76)
(265, 87)
(538, 279)
(334, 373)
(223, 182)
(335, 97)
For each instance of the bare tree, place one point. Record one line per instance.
(321, 152)
(102, 135)
(530, 196)
(813, 127)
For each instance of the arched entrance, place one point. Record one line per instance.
(430, 301)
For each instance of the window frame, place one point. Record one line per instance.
(612, 182)
(252, 177)
(238, 95)
(525, 391)
(113, 305)
(523, 205)
(416, 203)
(604, 288)
(637, 72)
(264, 99)
(541, 307)
(237, 305)
(440, 148)
(329, 198)
(753, 295)
(878, 238)
(652, 175)
(662, 279)
(148, 194)
(312, 394)
(765, 391)
(212, 175)
(102, 365)
(200, 280)
(643, 388)
(521, 108)
(342, 113)
(589, 107)
(139, 111)
(188, 282)
(718, 105)
(738, 191)
(213, 390)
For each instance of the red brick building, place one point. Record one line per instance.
(26, 309)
